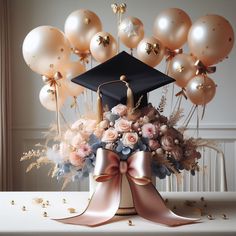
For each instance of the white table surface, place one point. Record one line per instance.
(13, 221)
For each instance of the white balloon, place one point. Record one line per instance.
(48, 99)
(70, 71)
(72, 89)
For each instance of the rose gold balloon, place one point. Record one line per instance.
(150, 51)
(70, 71)
(45, 49)
(211, 39)
(80, 27)
(47, 97)
(131, 31)
(201, 90)
(182, 69)
(103, 46)
(171, 26)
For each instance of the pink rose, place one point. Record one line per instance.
(122, 125)
(77, 140)
(148, 130)
(109, 135)
(167, 142)
(120, 110)
(76, 160)
(153, 144)
(130, 139)
(84, 150)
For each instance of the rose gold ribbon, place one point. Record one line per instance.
(202, 69)
(172, 53)
(54, 82)
(106, 199)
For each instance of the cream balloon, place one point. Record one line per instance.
(200, 90)
(70, 71)
(182, 68)
(45, 49)
(150, 51)
(47, 97)
(131, 31)
(211, 39)
(171, 26)
(80, 27)
(103, 46)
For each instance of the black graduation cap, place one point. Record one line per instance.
(141, 78)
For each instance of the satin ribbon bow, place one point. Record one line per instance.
(155, 48)
(202, 69)
(106, 198)
(182, 92)
(172, 53)
(118, 8)
(105, 41)
(52, 81)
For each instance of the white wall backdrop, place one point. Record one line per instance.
(30, 118)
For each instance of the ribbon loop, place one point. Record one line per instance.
(172, 53)
(202, 69)
(106, 199)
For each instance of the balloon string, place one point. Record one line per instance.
(172, 96)
(57, 109)
(197, 121)
(91, 61)
(131, 51)
(165, 88)
(118, 25)
(203, 111)
(178, 103)
(190, 115)
(64, 119)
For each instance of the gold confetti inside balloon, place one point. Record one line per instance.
(80, 27)
(182, 68)
(201, 90)
(103, 46)
(211, 39)
(150, 51)
(45, 49)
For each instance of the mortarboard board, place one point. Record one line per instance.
(141, 78)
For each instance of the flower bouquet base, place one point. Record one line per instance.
(126, 206)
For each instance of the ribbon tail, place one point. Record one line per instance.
(102, 206)
(150, 205)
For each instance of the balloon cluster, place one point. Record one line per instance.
(47, 50)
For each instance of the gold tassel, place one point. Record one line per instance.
(99, 108)
(130, 98)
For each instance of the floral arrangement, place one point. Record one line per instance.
(74, 154)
